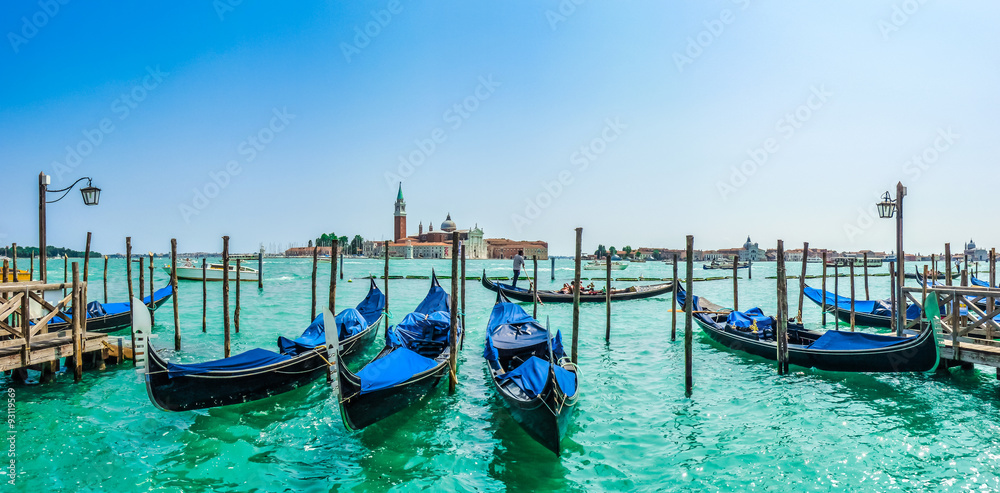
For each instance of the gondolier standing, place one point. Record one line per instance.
(518, 265)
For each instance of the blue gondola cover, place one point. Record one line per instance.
(253, 358)
(533, 373)
(418, 331)
(834, 340)
(881, 307)
(746, 319)
(392, 369)
(349, 322)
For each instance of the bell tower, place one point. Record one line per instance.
(399, 217)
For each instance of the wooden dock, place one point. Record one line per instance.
(967, 333)
(25, 339)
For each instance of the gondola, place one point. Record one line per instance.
(873, 313)
(411, 364)
(109, 317)
(531, 372)
(631, 293)
(833, 350)
(259, 373)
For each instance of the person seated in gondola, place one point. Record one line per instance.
(566, 289)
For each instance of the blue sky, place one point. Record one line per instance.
(639, 121)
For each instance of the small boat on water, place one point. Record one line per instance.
(872, 313)
(110, 317)
(259, 373)
(531, 371)
(603, 265)
(724, 265)
(833, 350)
(190, 271)
(411, 364)
(625, 294)
(857, 261)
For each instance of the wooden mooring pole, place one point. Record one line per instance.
(824, 288)
(463, 291)
(607, 301)
(142, 282)
(106, 279)
(236, 312)
(78, 314)
(867, 296)
(736, 285)
(673, 303)
(332, 324)
(782, 330)
(991, 301)
(260, 269)
(341, 265)
(386, 290)
(689, 320)
(225, 292)
(128, 274)
(534, 285)
(31, 268)
(453, 355)
(204, 294)
(947, 264)
(892, 294)
(16, 273)
(934, 267)
(576, 294)
(173, 287)
(312, 313)
(86, 264)
(836, 296)
(152, 301)
(802, 280)
(852, 295)
(552, 269)
(65, 273)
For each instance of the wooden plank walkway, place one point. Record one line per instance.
(49, 350)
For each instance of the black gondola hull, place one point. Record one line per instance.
(542, 417)
(920, 354)
(556, 297)
(361, 410)
(109, 323)
(189, 392)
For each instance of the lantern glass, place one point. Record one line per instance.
(91, 195)
(886, 208)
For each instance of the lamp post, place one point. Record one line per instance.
(91, 195)
(886, 209)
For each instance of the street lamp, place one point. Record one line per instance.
(886, 209)
(91, 195)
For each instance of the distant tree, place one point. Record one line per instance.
(342, 242)
(310, 243)
(612, 251)
(601, 251)
(628, 251)
(656, 255)
(357, 245)
(638, 255)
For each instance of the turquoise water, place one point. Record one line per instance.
(743, 429)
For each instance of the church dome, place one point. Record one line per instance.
(747, 245)
(448, 225)
(971, 245)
